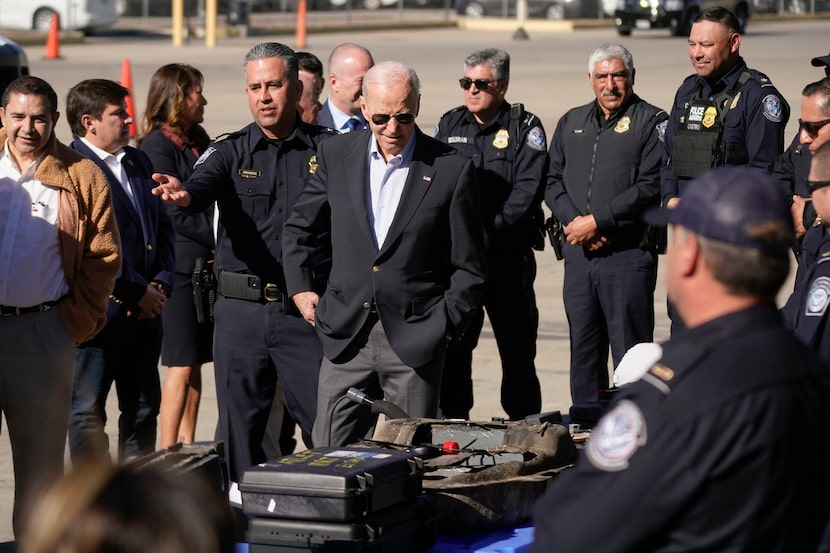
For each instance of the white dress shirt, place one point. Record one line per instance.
(386, 184)
(31, 271)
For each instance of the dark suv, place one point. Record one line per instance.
(675, 15)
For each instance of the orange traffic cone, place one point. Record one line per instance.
(127, 82)
(53, 45)
(301, 23)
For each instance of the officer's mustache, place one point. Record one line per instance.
(616, 93)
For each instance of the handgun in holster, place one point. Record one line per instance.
(204, 289)
(556, 235)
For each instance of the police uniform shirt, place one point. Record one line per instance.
(757, 118)
(255, 182)
(806, 309)
(791, 168)
(718, 447)
(509, 170)
(608, 168)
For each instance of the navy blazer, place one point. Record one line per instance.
(429, 275)
(147, 237)
(324, 118)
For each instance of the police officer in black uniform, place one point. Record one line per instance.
(806, 311)
(508, 146)
(724, 114)
(604, 173)
(793, 166)
(255, 175)
(720, 446)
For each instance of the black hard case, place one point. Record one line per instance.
(333, 484)
(408, 527)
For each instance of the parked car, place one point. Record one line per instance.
(375, 4)
(81, 15)
(675, 15)
(792, 7)
(194, 8)
(548, 9)
(13, 62)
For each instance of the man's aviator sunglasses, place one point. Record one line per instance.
(401, 118)
(481, 84)
(812, 127)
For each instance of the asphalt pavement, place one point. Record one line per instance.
(548, 74)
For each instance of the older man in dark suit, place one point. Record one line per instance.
(408, 265)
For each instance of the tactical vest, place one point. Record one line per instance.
(698, 145)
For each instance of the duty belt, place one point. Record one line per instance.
(244, 286)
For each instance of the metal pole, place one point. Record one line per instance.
(210, 23)
(177, 15)
(521, 16)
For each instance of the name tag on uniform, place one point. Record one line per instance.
(249, 173)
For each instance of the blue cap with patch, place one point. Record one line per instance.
(725, 203)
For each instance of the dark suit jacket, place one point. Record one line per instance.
(428, 276)
(147, 239)
(194, 233)
(324, 118)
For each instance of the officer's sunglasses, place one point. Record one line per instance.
(481, 84)
(812, 127)
(816, 184)
(402, 118)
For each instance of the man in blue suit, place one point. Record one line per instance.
(126, 351)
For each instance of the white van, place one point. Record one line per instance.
(83, 15)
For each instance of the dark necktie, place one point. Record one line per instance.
(354, 124)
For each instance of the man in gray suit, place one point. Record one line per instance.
(408, 264)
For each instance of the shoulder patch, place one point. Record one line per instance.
(536, 139)
(773, 107)
(617, 436)
(661, 129)
(818, 298)
(206, 154)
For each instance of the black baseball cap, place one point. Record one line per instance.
(725, 203)
(821, 61)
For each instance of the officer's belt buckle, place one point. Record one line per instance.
(271, 292)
